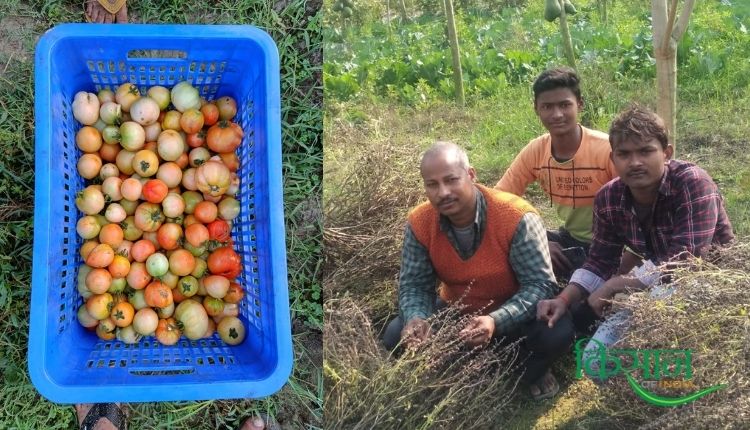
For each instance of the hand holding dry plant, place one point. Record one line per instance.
(415, 332)
(601, 299)
(478, 331)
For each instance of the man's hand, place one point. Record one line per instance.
(415, 332)
(551, 310)
(478, 331)
(560, 262)
(600, 299)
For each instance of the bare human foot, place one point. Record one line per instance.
(106, 416)
(255, 423)
(260, 422)
(546, 387)
(106, 11)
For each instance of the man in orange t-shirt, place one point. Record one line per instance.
(571, 163)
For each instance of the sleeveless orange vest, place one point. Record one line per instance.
(486, 280)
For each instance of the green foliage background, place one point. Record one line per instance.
(376, 58)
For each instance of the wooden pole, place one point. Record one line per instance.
(455, 52)
(668, 30)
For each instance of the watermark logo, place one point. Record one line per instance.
(660, 367)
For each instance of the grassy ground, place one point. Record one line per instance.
(295, 26)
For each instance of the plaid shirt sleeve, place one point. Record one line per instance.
(530, 260)
(695, 218)
(606, 246)
(417, 280)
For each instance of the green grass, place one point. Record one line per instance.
(295, 25)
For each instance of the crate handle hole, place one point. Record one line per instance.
(157, 53)
(162, 372)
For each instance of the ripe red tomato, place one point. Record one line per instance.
(168, 235)
(210, 114)
(224, 136)
(219, 230)
(196, 140)
(167, 331)
(225, 262)
(158, 295)
(235, 293)
(196, 234)
(155, 190)
(231, 160)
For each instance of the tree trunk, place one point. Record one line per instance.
(388, 14)
(603, 11)
(455, 52)
(666, 89)
(402, 8)
(667, 32)
(567, 42)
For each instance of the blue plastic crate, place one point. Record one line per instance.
(69, 364)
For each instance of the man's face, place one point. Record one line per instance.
(558, 110)
(449, 186)
(640, 164)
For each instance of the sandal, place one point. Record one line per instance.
(106, 11)
(549, 394)
(111, 411)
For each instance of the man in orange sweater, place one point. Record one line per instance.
(571, 163)
(488, 249)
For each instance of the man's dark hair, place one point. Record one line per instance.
(638, 123)
(559, 77)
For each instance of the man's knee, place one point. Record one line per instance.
(585, 320)
(392, 334)
(542, 338)
(553, 236)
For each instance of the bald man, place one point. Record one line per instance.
(488, 250)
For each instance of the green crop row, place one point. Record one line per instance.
(411, 61)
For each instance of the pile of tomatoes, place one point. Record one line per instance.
(159, 200)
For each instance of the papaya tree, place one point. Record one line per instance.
(346, 14)
(344, 7)
(458, 80)
(668, 28)
(554, 9)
